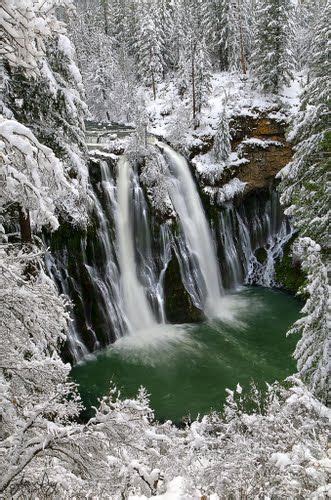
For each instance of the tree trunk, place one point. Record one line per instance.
(25, 226)
(193, 88)
(105, 16)
(154, 86)
(242, 54)
(104, 95)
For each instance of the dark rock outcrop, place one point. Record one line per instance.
(179, 307)
(288, 272)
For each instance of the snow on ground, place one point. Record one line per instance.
(259, 143)
(228, 89)
(226, 193)
(210, 172)
(169, 118)
(175, 491)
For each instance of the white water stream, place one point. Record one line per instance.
(138, 311)
(187, 203)
(118, 284)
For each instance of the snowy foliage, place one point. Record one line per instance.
(33, 176)
(207, 170)
(43, 91)
(155, 177)
(235, 22)
(272, 61)
(313, 349)
(305, 193)
(304, 179)
(220, 195)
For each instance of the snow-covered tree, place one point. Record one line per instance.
(165, 22)
(276, 441)
(304, 179)
(222, 139)
(272, 58)
(235, 26)
(304, 14)
(148, 48)
(47, 97)
(313, 349)
(194, 62)
(33, 178)
(305, 194)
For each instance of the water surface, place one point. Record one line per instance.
(186, 369)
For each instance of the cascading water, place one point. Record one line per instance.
(114, 274)
(245, 231)
(137, 308)
(198, 237)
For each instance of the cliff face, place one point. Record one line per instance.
(259, 150)
(261, 141)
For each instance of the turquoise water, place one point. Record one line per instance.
(186, 369)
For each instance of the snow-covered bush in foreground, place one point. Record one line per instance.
(43, 91)
(278, 449)
(33, 177)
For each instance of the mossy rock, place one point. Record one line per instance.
(261, 255)
(179, 307)
(289, 273)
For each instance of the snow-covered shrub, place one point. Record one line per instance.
(277, 450)
(155, 177)
(33, 177)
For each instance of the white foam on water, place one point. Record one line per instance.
(157, 344)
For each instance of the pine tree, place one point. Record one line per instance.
(165, 21)
(209, 28)
(202, 75)
(305, 178)
(305, 194)
(312, 351)
(222, 143)
(235, 21)
(194, 61)
(272, 60)
(149, 53)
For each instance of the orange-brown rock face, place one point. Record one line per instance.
(261, 141)
(260, 146)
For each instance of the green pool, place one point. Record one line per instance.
(186, 369)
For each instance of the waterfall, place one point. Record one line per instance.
(228, 232)
(264, 273)
(243, 232)
(186, 200)
(58, 271)
(137, 308)
(113, 272)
